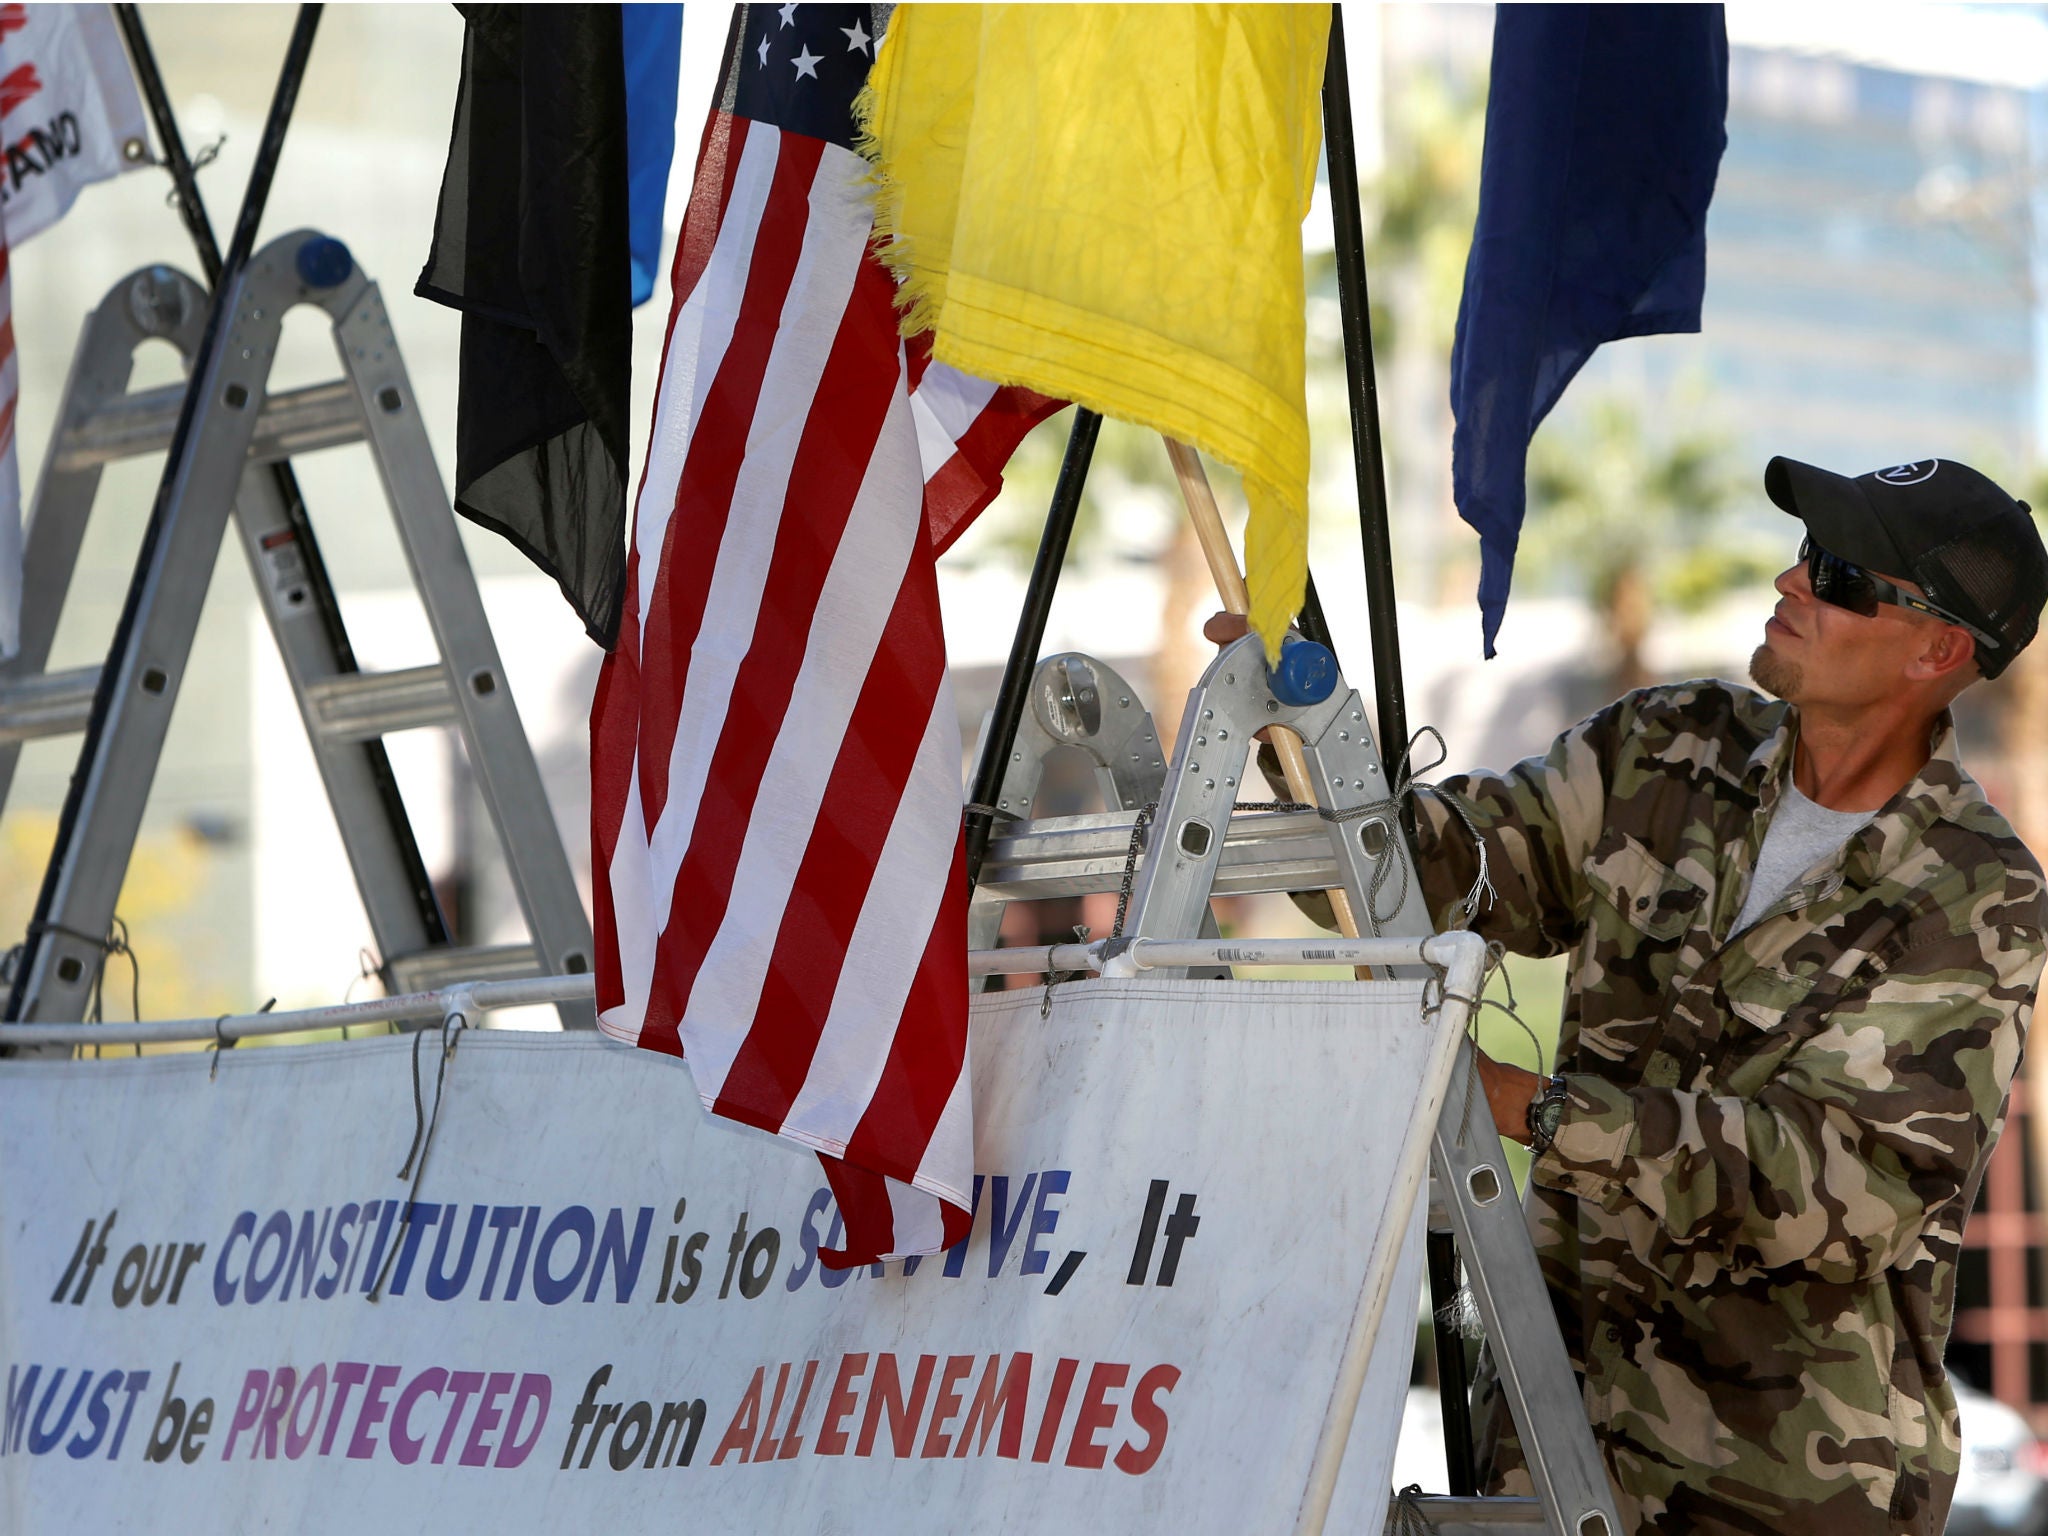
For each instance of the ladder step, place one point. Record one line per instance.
(1077, 855)
(355, 706)
(292, 421)
(49, 705)
(427, 969)
(360, 706)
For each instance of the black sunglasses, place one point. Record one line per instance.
(1834, 580)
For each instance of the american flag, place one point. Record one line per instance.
(775, 758)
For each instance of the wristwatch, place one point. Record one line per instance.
(1546, 1112)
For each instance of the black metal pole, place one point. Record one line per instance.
(1369, 463)
(184, 180)
(1310, 621)
(319, 585)
(290, 74)
(1453, 1377)
(1045, 575)
(1367, 458)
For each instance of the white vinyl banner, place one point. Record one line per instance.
(594, 1308)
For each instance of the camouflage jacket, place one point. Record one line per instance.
(1751, 1215)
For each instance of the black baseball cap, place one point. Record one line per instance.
(1969, 546)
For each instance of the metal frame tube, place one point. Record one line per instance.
(416, 1009)
(1459, 956)
(1441, 951)
(1368, 461)
(1369, 466)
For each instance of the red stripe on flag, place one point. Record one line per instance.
(924, 1063)
(864, 1209)
(839, 434)
(831, 887)
(718, 168)
(958, 492)
(711, 467)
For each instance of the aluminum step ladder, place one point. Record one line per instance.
(1195, 846)
(239, 431)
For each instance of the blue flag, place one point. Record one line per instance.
(652, 42)
(1604, 131)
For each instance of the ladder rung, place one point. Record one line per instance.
(292, 421)
(428, 969)
(1077, 855)
(360, 706)
(47, 705)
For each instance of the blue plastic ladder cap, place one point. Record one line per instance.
(324, 261)
(1307, 673)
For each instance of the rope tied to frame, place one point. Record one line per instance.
(208, 153)
(115, 943)
(1054, 978)
(221, 1042)
(1406, 1517)
(423, 1123)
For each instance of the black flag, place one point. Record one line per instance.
(531, 244)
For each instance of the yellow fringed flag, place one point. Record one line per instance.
(1104, 203)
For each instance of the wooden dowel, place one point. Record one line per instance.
(1230, 587)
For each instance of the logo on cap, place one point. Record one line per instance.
(1909, 474)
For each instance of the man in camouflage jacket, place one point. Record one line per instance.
(1750, 1209)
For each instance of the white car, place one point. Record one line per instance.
(2002, 1490)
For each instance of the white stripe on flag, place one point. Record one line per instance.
(697, 345)
(634, 904)
(919, 1223)
(889, 938)
(950, 1152)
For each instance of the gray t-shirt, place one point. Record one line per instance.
(1800, 835)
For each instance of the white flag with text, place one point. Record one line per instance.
(69, 116)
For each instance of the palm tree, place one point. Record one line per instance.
(1634, 522)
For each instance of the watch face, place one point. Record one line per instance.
(1550, 1116)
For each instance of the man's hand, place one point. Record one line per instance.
(1508, 1092)
(1222, 628)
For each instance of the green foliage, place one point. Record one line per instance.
(1420, 210)
(1606, 498)
(1418, 214)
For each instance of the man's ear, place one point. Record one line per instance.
(1948, 656)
